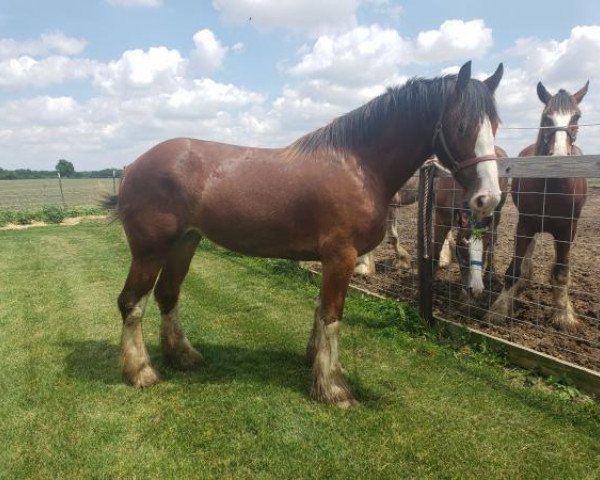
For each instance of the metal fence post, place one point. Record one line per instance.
(425, 241)
(62, 195)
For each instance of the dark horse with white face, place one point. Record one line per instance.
(547, 205)
(325, 197)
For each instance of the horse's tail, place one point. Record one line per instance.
(110, 202)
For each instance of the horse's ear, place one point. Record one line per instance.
(543, 94)
(464, 75)
(493, 81)
(578, 96)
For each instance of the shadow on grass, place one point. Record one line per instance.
(97, 361)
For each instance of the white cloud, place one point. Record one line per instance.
(26, 71)
(136, 3)
(570, 61)
(307, 16)
(238, 47)
(48, 43)
(455, 39)
(208, 53)
(41, 111)
(362, 55)
(141, 71)
(367, 54)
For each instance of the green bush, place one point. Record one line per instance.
(48, 214)
(53, 214)
(23, 217)
(6, 217)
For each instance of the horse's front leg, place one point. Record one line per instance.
(518, 272)
(329, 384)
(564, 316)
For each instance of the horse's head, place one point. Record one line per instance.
(464, 137)
(559, 120)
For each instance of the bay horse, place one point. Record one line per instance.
(475, 240)
(322, 198)
(547, 205)
(407, 195)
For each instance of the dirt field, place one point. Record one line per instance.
(531, 326)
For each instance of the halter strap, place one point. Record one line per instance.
(453, 165)
(572, 135)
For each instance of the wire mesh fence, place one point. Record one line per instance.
(530, 296)
(67, 192)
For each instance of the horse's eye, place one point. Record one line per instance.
(575, 118)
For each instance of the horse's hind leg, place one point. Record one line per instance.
(365, 264)
(402, 256)
(560, 278)
(135, 362)
(176, 348)
(329, 384)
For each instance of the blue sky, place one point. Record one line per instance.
(100, 81)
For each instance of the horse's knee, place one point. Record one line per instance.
(126, 303)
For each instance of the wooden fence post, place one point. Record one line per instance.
(425, 241)
(62, 195)
(114, 182)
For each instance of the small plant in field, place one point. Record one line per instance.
(6, 217)
(53, 214)
(22, 217)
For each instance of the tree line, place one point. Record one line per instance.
(64, 167)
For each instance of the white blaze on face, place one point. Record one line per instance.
(561, 119)
(475, 266)
(486, 171)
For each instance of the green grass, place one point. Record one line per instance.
(427, 410)
(25, 194)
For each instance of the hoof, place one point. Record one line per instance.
(185, 359)
(363, 270)
(494, 317)
(402, 263)
(345, 404)
(146, 377)
(465, 296)
(566, 321)
(336, 391)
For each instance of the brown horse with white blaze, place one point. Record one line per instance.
(324, 197)
(547, 205)
(475, 241)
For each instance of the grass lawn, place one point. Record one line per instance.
(427, 410)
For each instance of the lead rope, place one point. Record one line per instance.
(428, 171)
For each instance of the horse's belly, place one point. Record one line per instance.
(268, 232)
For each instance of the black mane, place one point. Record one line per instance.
(419, 100)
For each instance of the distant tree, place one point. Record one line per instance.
(65, 168)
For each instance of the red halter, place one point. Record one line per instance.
(453, 165)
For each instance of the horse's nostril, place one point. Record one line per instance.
(480, 201)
